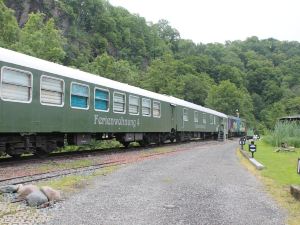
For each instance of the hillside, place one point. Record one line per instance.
(260, 78)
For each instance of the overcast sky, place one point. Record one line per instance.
(209, 21)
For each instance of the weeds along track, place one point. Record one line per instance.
(58, 173)
(42, 169)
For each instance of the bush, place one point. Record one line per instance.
(284, 132)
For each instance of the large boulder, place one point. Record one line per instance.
(9, 189)
(36, 198)
(52, 195)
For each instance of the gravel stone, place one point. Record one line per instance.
(204, 185)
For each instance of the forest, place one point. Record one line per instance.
(260, 78)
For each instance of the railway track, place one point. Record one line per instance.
(82, 153)
(53, 174)
(136, 155)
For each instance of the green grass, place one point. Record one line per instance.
(279, 173)
(103, 144)
(72, 183)
(280, 166)
(67, 183)
(65, 165)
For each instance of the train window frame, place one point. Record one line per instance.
(150, 108)
(121, 93)
(89, 96)
(154, 108)
(196, 117)
(108, 101)
(63, 91)
(138, 105)
(204, 118)
(185, 114)
(21, 71)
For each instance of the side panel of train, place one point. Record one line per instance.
(198, 124)
(38, 110)
(236, 127)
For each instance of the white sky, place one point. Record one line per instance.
(209, 21)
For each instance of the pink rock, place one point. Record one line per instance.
(52, 195)
(25, 190)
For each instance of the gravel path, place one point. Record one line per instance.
(206, 185)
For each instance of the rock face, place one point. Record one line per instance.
(9, 189)
(36, 198)
(52, 195)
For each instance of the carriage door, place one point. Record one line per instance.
(173, 116)
(184, 116)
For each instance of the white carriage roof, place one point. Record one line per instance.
(17, 58)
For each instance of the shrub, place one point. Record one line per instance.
(284, 132)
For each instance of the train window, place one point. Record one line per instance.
(16, 85)
(196, 117)
(80, 96)
(204, 118)
(156, 109)
(146, 107)
(214, 119)
(101, 100)
(134, 105)
(185, 115)
(119, 102)
(52, 91)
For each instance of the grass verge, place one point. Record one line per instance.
(71, 183)
(66, 165)
(157, 150)
(278, 175)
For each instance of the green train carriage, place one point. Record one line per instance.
(42, 103)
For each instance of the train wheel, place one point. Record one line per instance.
(41, 152)
(12, 151)
(145, 142)
(16, 156)
(126, 144)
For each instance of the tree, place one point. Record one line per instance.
(234, 74)
(226, 98)
(270, 114)
(41, 39)
(292, 105)
(196, 87)
(106, 66)
(168, 34)
(9, 29)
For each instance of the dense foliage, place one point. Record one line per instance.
(260, 78)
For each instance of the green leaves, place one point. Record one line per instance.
(41, 39)
(106, 66)
(226, 98)
(9, 29)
